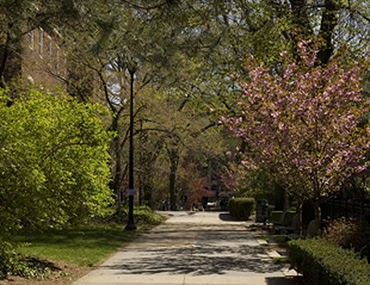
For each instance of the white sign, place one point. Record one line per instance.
(131, 192)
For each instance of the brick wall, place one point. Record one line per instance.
(43, 61)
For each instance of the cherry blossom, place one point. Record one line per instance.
(302, 124)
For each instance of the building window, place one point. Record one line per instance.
(49, 49)
(31, 39)
(41, 42)
(57, 59)
(64, 64)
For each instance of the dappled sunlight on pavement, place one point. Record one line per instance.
(191, 248)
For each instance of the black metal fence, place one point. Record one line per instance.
(337, 207)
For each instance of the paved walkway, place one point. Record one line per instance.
(188, 249)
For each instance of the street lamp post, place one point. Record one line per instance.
(131, 192)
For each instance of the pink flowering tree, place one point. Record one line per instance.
(304, 124)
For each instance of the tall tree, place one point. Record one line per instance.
(306, 125)
(160, 49)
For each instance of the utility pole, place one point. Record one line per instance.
(141, 164)
(131, 191)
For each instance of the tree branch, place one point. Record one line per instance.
(148, 8)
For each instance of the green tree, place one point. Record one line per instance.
(53, 161)
(178, 134)
(146, 46)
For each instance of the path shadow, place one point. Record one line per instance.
(278, 281)
(172, 237)
(227, 218)
(197, 260)
(196, 249)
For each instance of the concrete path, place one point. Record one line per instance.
(188, 249)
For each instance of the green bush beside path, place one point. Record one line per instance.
(323, 262)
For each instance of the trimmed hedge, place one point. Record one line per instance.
(241, 208)
(323, 262)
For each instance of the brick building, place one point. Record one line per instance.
(37, 58)
(43, 61)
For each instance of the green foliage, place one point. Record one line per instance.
(325, 263)
(53, 161)
(145, 215)
(276, 216)
(349, 233)
(241, 208)
(11, 263)
(6, 256)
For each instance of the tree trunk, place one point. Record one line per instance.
(286, 205)
(148, 171)
(117, 171)
(300, 17)
(299, 211)
(4, 52)
(317, 210)
(329, 21)
(148, 189)
(172, 191)
(174, 161)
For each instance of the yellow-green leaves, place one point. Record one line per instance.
(53, 161)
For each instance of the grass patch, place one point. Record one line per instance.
(281, 260)
(84, 245)
(55, 252)
(275, 238)
(81, 245)
(275, 216)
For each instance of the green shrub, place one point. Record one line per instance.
(53, 161)
(145, 215)
(142, 215)
(275, 216)
(323, 262)
(241, 208)
(6, 256)
(349, 233)
(15, 264)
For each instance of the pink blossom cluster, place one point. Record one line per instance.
(302, 123)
